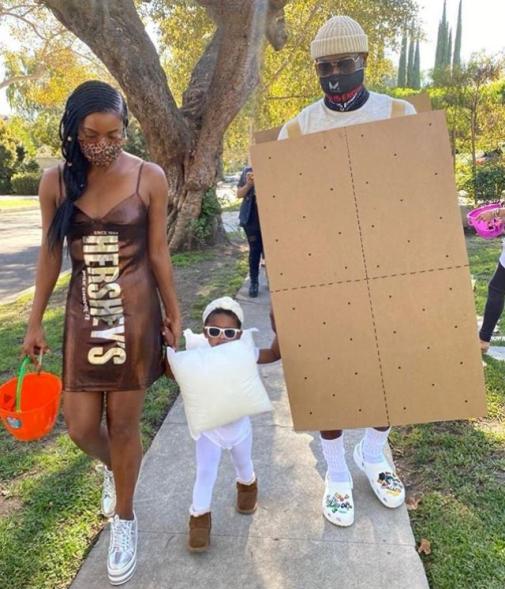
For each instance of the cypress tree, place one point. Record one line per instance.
(416, 82)
(456, 60)
(402, 66)
(410, 64)
(442, 39)
(448, 54)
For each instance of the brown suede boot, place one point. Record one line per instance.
(247, 497)
(199, 532)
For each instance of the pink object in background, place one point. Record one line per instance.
(486, 229)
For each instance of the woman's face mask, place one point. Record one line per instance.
(101, 153)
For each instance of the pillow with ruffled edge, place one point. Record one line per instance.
(218, 384)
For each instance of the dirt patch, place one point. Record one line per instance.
(192, 279)
(9, 505)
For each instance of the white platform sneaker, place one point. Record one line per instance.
(122, 557)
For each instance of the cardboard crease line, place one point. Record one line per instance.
(383, 384)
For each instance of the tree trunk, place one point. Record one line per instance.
(186, 142)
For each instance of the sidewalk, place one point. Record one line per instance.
(286, 544)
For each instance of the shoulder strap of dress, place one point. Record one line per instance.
(397, 109)
(293, 128)
(139, 176)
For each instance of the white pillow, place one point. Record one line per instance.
(218, 384)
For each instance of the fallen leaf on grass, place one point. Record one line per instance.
(424, 547)
(412, 502)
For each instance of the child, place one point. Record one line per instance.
(222, 321)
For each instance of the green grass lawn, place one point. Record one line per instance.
(49, 490)
(457, 471)
(7, 204)
(234, 205)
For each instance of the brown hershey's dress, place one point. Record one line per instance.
(112, 339)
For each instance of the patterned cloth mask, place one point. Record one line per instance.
(101, 153)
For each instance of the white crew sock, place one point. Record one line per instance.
(373, 445)
(334, 454)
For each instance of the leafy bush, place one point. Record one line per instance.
(8, 157)
(136, 143)
(25, 183)
(489, 182)
(204, 228)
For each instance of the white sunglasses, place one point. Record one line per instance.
(228, 332)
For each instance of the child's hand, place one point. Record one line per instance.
(272, 321)
(171, 331)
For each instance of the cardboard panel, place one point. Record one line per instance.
(421, 102)
(430, 356)
(330, 356)
(406, 195)
(308, 211)
(378, 325)
(267, 135)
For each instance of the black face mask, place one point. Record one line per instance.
(342, 83)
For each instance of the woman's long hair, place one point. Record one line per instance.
(90, 97)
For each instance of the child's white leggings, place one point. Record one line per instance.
(208, 456)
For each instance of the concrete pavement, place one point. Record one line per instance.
(286, 544)
(20, 234)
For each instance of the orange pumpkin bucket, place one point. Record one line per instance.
(29, 403)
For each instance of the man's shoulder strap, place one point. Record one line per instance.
(397, 108)
(293, 129)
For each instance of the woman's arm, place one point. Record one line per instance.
(245, 185)
(159, 255)
(48, 266)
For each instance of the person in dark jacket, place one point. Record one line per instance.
(249, 220)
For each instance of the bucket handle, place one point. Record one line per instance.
(21, 376)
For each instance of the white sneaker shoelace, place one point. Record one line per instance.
(122, 535)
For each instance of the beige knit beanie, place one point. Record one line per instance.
(338, 36)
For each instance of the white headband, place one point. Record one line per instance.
(226, 303)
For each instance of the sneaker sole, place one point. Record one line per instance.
(338, 524)
(125, 577)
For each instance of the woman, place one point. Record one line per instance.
(111, 207)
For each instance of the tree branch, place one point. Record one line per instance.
(6, 82)
(114, 32)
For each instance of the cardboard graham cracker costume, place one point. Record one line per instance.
(369, 275)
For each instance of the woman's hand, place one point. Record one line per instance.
(489, 215)
(171, 331)
(35, 343)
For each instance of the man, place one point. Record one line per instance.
(249, 220)
(340, 51)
